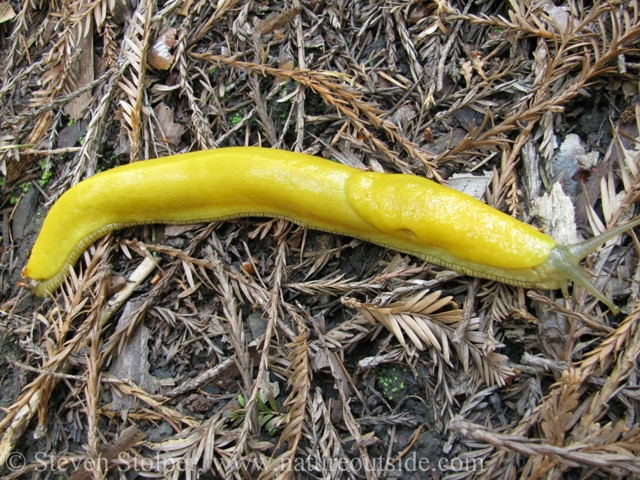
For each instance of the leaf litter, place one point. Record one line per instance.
(274, 352)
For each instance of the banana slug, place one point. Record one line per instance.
(403, 212)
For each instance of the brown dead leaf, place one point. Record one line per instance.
(167, 130)
(6, 12)
(476, 61)
(287, 67)
(160, 56)
(428, 135)
(421, 10)
(275, 22)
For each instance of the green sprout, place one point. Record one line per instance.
(391, 383)
(268, 415)
(107, 164)
(83, 138)
(46, 176)
(236, 119)
(46, 173)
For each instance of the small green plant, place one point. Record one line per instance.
(24, 187)
(268, 414)
(107, 164)
(391, 382)
(46, 176)
(236, 119)
(46, 173)
(83, 138)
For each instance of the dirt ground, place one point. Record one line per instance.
(254, 348)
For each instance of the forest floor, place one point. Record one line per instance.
(255, 348)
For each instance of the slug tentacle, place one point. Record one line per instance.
(403, 212)
(566, 260)
(567, 267)
(579, 251)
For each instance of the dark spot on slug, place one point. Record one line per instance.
(407, 232)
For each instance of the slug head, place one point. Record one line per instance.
(564, 260)
(451, 229)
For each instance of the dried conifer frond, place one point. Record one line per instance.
(197, 449)
(580, 455)
(603, 354)
(347, 101)
(280, 467)
(335, 286)
(126, 388)
(573, 50)
(558, 418)
(574, 423)
(202, 128)
(347, 333)
(136, 44)
(110, 49)
(420, 320)
(416, 318)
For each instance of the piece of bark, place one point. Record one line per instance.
(556, 213)
(133, 361)
(82, 74)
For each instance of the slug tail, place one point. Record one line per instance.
(581, 250)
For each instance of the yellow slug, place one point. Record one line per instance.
(403, 212)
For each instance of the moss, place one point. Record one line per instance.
(236, 119)
(391, 382)
(46, 173)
